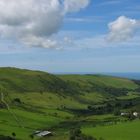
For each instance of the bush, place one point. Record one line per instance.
(76, 134)
(17, 100)
(14, 134)
(117, 112)
(6, 138)
(31, 136)
(101, 138)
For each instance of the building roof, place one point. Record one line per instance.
(43, 133)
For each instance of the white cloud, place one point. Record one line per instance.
(91, 19)
(33, 22)
(75, 5)
(39, 41)
(122, 29)
(99, 42)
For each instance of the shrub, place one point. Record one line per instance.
(117, 112)
(76, 134)
(14, 134)
(17, 100)
(6, 138)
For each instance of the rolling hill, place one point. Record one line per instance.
(45, 101)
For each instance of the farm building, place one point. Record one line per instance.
(136, 114)
(124, 114)
(43, 133)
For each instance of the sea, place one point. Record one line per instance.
(130, 75)
(135, 76)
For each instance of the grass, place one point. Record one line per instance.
(29, 120)
(101, 80)
(130, 95)
(47, 100)
(95, 98)
(121, 131)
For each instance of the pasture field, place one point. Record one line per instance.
(28, 120)
(120, 131)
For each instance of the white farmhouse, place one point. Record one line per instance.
(124, 114)
(135, 114)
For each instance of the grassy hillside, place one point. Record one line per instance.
(100, 80)
(36, 88)
(57, 102)
(100, 87)
(20, 80)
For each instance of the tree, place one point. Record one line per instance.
(14, 134)
(6, 138)
(117, 112)
(76, 134)
(101, 138)
(17, 100)
(31, 136)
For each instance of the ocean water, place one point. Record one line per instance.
(135, 76)
(125, 75)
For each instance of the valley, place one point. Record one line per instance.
(60, 103)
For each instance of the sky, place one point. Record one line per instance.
(70, 36)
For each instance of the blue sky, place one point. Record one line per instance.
(96, 36)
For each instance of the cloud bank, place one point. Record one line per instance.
(33, 22)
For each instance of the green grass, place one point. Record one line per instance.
(95, 97)
(121, 131)
(49, 100)
(19, 80)
(29, 120)
(100, 117)
(130, 95)
(46, 100)
(101, 80)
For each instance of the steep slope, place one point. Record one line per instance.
(20, 80)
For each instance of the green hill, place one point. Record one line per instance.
(21, 80)
(72, 91)
(45, 101)
(101, 80)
